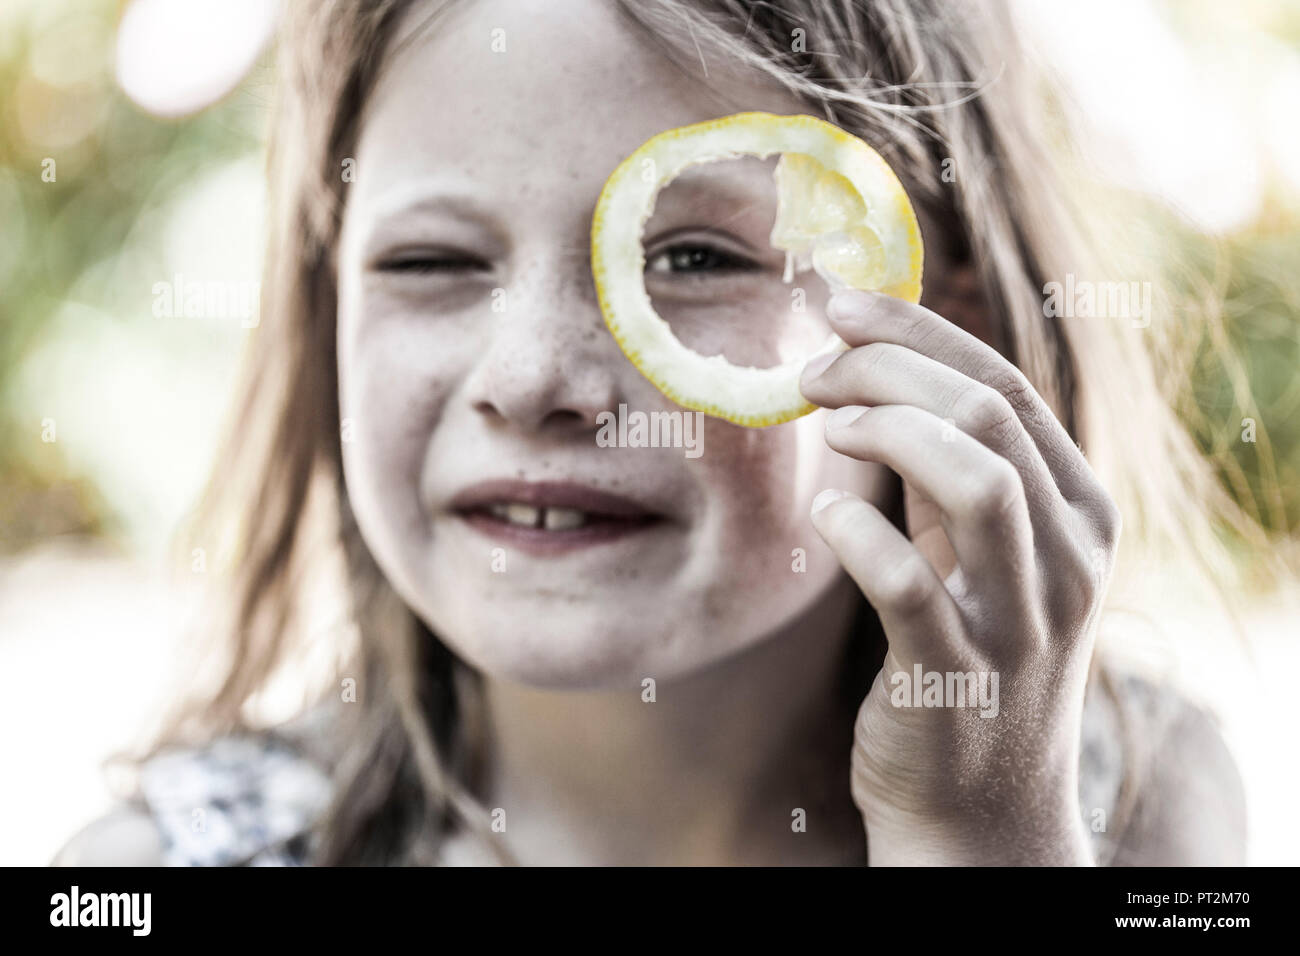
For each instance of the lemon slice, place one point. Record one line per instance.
(840, 211)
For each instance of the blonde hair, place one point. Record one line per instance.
(933, 85)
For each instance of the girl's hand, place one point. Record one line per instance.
(1009, 547)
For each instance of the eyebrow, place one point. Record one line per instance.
(413, 200)
(732, 187)
(705, 191)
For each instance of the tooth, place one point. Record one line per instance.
(498, 510)
(523, 514)
(564, 519)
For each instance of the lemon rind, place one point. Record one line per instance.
(754, 397)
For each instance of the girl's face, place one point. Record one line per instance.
(474, 362)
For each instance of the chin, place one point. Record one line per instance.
(576, 652)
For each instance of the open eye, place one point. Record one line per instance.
(696, 258)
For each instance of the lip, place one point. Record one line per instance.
(614, 516)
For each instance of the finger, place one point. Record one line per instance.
(860, 318)
(923, 522)
(915, 609)
(882, 373)
(978, 492)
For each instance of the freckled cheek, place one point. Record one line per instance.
(394, 388)
(762, 481)
(751, 475)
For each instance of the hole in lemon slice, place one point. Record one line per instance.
(840, 211)
(713, 275)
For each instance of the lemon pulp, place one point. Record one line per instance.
(841, 211)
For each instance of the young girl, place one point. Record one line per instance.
(574, 654)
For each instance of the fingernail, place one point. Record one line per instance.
(850, 304)
(845, 416)
(818, 364)
(827, 497)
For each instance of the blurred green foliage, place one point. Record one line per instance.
(1248, 368)
(111, 163)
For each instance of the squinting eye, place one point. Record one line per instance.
(421, 264)
(697, 258)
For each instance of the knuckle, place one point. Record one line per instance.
(908, 587)
(987, 415)
(999, 494)
(873, 362)
(874, 355)
(1083, 581)
(916, 327)
(858, 364)
(1109, 521)
(1015, 389)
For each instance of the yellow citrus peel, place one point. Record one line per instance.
(840, 210)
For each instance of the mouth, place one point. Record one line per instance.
(546, 518)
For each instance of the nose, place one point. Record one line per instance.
(550, 365)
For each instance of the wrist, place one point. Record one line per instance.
(1060, 839)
